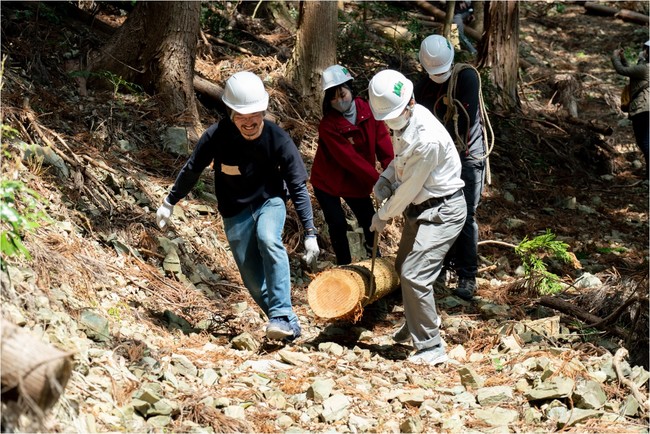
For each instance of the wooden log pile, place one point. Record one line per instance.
(342, 292)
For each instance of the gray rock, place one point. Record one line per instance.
(183, 366)
(175, 141)
(557, 387)
(469, 378)
(588, 395)
(334, 408)
(360, 424)
(412, 424)
(494, 395)
(293, 357)
(630, 406)
(235, 411)
(320, 390)
(331, 348)
(245, 341)
(47, 157)
(94, 325)
(577, 415)
(497, 416)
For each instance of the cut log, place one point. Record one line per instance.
(623, 14)
(342, 292)
(31, 369)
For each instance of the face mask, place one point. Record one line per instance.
(399, 122)
(441, 78)
(342, 105)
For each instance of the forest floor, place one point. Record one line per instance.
(102, 249)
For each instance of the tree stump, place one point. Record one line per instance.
(343, 291)
(32, 370)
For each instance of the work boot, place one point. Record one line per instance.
(466, 288)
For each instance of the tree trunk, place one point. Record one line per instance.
(315, 50)
(449, 18)
(155, 48)
(499, 52)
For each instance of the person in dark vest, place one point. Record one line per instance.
(256, 166)
(452, 93)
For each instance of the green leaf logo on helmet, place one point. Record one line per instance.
(397, 89)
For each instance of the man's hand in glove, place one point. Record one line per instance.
(164, 213)
(311, 251)
(377, 224)
(382, 189)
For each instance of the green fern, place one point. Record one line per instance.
(532, 253)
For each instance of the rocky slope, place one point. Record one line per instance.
(165, 339)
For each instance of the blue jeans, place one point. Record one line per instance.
(255, 239)
(463, 255)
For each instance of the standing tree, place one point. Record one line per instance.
(499, 52)
(155, 48)
(315, 49)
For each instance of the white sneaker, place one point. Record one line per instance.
(431, 356)
(403, 335)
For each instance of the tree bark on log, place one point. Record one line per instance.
(342, 292)
(440, 15)
(624, 14)
(31, 369)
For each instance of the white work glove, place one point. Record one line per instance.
(164, 213)
(382, 189)
(377, 224)
(311, 251)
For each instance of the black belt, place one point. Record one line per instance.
(435, 201)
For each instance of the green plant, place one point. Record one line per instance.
(560, 8)
(498, 364)
(20, 212)
(119, 82)
(532, 253)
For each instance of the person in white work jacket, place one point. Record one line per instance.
(423, 184)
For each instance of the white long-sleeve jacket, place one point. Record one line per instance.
(426, 164)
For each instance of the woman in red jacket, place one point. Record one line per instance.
(350, 143)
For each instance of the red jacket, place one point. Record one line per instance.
(345, 161)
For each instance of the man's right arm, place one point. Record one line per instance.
(190, 173)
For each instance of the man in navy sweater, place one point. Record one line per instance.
(256, 166)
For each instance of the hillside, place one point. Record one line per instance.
(174, 343)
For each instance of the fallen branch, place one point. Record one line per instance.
(643, 401)
(612, 317)
(586, 317)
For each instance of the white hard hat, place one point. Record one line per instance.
(335, 75)
(245, 93)
(388, 93)
(436, 54)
